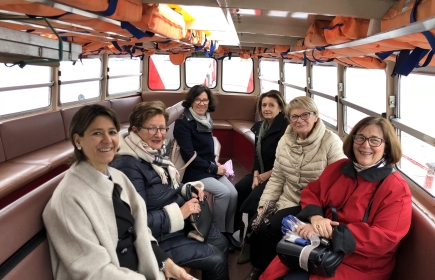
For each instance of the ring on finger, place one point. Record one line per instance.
(318, 227)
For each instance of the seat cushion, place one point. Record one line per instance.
(222, 124)
(15, 175)
(2, 152)
(54, 155)
(22, 136)
(16, 232)
(241, 126)
(250, 136)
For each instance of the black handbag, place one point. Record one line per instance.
(201, 222)
(321, 261)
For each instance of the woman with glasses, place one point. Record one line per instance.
(268, 131)
(142, 158)
(303, 152)
(363, 186)
(194, 133)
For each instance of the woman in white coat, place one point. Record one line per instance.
(96, 221)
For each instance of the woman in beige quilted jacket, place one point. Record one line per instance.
(304, 150)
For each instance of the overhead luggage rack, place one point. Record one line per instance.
(18, 46)
(416, 27)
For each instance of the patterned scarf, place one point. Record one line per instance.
(204, 120)
(156, 158)
(263, 128)
(358, 167)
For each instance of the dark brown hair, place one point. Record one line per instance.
(145, 111)
(393, 150)
(194, 92)
(272, 94)
(82, 119)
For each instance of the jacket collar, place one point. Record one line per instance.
(275, 127)
(95, 180)
(371, 174)
(199, 127)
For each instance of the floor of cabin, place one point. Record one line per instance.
(238, 271)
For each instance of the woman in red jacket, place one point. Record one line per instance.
(366, 183)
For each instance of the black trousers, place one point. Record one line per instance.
(247, 198)
(264, 241)
(214, 267)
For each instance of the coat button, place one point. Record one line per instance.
(130, 229)
(124, 251)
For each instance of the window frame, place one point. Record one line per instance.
(222, 80)
(49, 86)
(108, 77)
(77, 81)
(148, 76)
(185, 72)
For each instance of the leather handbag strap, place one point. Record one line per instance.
(190, 161)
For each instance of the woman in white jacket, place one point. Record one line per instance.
(304, 150)
(96, 221)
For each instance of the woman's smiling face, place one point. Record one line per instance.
(365, 154)
(153, 140)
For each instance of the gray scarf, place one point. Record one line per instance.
(263, 129)
(204, 120)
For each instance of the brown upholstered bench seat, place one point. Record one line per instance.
(32, 147)
(222, 124)
(52, 156)
(15, 175)
(24, 250)
(241, 126)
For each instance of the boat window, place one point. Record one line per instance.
(24, 89)
(352, 118)
(125, 75)
(269, 75)
(367, 89)
(291, 93)
(237, 75)
(324, 79)
(327, 109)
(295, 74)
(162, 74)
(80, 80)
(416, 110)
(200, 71)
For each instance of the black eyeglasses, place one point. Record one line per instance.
(204, 101)
(373, 141)
(153, 130)
(304, 116)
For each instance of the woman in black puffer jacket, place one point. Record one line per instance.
(141, 158)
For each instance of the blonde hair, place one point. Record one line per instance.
(302, 102)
